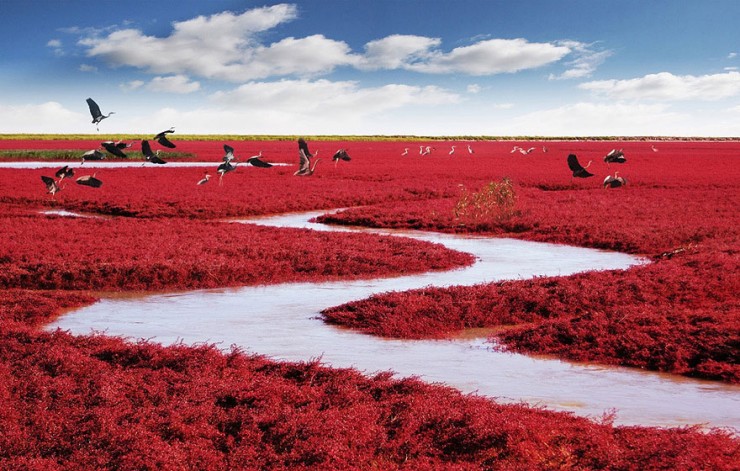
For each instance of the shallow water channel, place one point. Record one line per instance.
(280, 321)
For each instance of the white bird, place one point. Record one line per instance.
(525, 152)
(544, 149)
(470, 150)
(421, 150)
(204, 180)
(514, 149)
(655, 149)
(405, 151)
(452, 151)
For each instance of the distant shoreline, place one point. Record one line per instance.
(290, 137)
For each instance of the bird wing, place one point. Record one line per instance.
(94, 108)
(156, 160)
(229, 153)
(258, 163)
(573, 163)
(162, 139)
(49, 182)
(62, 172)
(303, 164)
(303, 145)
(89, 180)
(113, 149)
(146, 149)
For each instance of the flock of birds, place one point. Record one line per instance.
(306, 167)
(230, 162)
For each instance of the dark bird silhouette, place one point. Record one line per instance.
(97, 115)
(51, 185)
(89, 180)
(256, 160)
(341, 154)
(93, 154)
(204, 180)
(615, 157)
(614, 182)
(162, 138)
(64, 172)
(303, 146)
(113, 148)
(578, 170)
(150, 156)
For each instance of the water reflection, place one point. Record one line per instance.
(280, 321)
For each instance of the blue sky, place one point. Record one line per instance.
(464, 67)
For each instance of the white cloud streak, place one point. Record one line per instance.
(665, 86)
(226, 46)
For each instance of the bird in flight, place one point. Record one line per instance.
(578, 170)
(150, 156)
(162, 138)
(89, 180)
(341, 154)
(97, 115)
(256, 161)
(52, 186)
(64, 172)
(614, 182)
(615, 157)
(115, 148)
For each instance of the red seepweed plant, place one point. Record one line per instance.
(94, 402)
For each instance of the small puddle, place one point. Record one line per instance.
(280, 321)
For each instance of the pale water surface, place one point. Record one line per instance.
(280, 321)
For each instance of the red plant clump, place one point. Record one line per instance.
(94, 402)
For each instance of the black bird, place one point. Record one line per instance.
(150, 156)
(341, 154)
(89, 180)
(51, 185)
(64, 172)
(258, 162)
(578, 170)
(615, 156)
(615, 181)
(94, 154)
(97, 116)
(162, 138)
(113, 148)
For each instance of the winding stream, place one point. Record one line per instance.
(280, 321)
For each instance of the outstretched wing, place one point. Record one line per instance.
(94, 108)
(573, 163)
(62, 172)
(162, 139)
(303, 145)
(259, 163)
(229, 155)
(49, 182)
(342, 154)
(146, 149)
(303, 164)
(113, 149)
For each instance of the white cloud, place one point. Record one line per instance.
(397, 51)
(493, 56)
(473, 88)
(227, 46)
(132, 85)
(49, 117)
(56, 46)
(669, 87)
(503, 106)
(585, 62)
(732, 55)
(173, 84)
(88, 68)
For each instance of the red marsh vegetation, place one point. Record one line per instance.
(94, 402)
